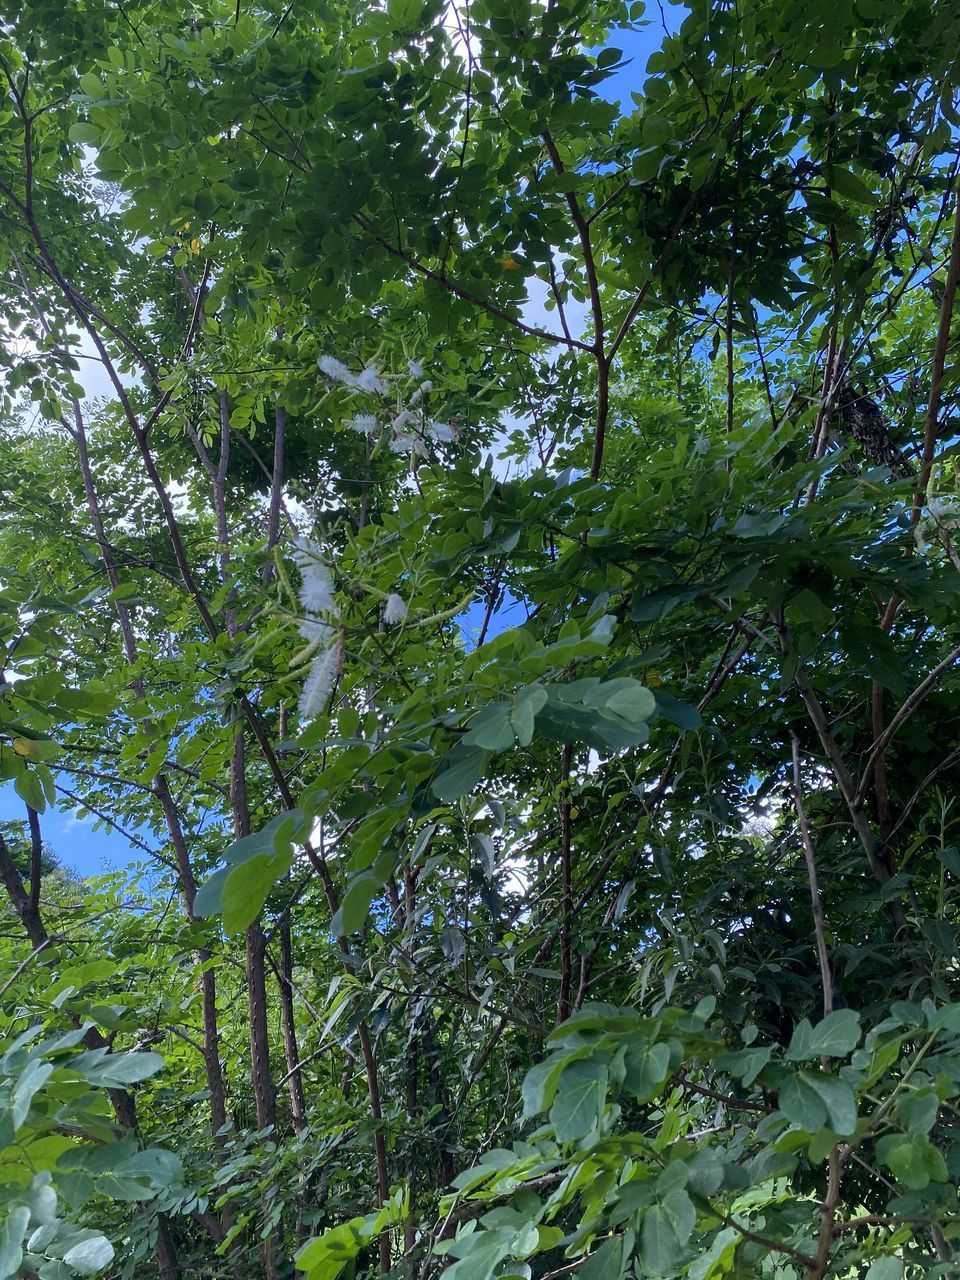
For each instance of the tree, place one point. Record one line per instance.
(549, 867)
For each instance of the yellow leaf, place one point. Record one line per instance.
(510, 264)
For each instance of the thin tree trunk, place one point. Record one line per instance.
(291, 1049)
(412, 1065)
(566, 889)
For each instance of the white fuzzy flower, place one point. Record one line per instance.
(701, 445)
(316, 588)
(942, 509)
(424, 389)
(441, 432)
(401, 444)
(319, 683)
(363, 422)
(335, 369)
(395, 610)
(318, 633)
(920, 540)
(403, 419)
(370, 380)
(415, 368)
(305, 552)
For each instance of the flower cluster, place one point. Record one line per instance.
(319, 626)
(405, 428)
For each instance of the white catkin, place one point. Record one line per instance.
(319, 633)
(942, 510)
(440, 432)
(319, 683)
(370, 380)
(424, 389)
(394, 610)
(335, 369)
(402, 419)
(364, 422)
(316, 590)
(401, 444)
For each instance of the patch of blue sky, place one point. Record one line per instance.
(84, 844)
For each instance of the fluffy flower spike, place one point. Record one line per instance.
(395, 610)
(319, 683)
(335, 369)
(370, 380)
(316, 589)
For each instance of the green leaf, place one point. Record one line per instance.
(679, 713)
(801, 1103)
(718, 1259)
(355, 904)
(912, 1159)
(606, 1263)
(83, 132)
(30, 790)
(849, 185)
(657, 130)
(463, 771)
(576, 1108)
(523, 713)
(834, 1037)
(837, 1097)
(627, 699)
(745, 1064)
(608, 57)
(667, 1227)
(539, 1084)
(36, 748)
(885, 1269)
(90, 1255)
(483, 1252)
(117, 1069)
(209, 899)
(326, 1256)
(156, 1165)
(246, 887)
(645, 1069)
(918, 1110)
(491, 728)
(680, 1211)
(33, 1078)
(12, 1230)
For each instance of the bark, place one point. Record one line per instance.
(291, 1049)
(566, 889)
(254, 960)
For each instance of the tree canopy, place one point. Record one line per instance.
(490, 551)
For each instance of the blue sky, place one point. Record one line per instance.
(75, 840)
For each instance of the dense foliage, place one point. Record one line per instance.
(490, 550)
